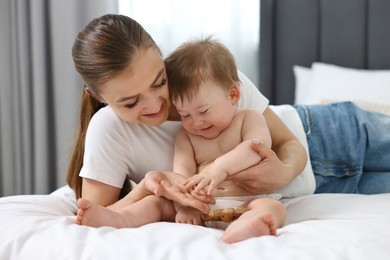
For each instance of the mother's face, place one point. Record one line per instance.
(139, 94)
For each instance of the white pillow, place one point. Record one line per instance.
(302, 82)
(335, 83)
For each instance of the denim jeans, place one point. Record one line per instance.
(349, 148)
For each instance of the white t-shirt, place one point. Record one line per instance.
(114, 148)
(304, 183)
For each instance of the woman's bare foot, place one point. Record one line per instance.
(244, 228)
(94, 215)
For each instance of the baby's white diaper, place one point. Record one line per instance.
(235, 202)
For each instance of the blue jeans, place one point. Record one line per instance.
(349, 148)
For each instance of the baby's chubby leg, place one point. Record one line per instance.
(263, 218)
(148, 210)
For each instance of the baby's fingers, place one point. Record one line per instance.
(191, 182)
(201, 185)
(212, 186)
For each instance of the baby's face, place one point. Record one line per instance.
(209, 112)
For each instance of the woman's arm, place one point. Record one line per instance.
(107, 154)
(93, 190)
(280, 165)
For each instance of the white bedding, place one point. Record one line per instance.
(322, 226)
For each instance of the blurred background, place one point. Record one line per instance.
(40, 89)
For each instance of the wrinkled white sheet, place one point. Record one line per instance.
(326, 226)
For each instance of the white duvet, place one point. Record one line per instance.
(325, 226)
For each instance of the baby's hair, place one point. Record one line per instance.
(196, 61)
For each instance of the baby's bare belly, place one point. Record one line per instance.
(229, 188)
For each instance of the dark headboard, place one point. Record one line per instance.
(351, 33)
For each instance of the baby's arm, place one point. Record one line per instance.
(184, 158)
(241, 157)
(184, 163)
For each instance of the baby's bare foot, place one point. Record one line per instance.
(244, 228)
(94, 215)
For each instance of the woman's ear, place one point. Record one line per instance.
(234, 93)
(90, 92)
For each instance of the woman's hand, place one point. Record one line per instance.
(170, 185)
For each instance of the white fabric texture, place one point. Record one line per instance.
(304, 183)
(114, 148)
(320, 227)
(302, 77)
(326, 82)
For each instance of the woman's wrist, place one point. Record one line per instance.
(293, 157)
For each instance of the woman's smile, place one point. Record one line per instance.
(159, 113)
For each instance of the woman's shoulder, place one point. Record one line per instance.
(105, 120)
(251, 97)
(106, 116)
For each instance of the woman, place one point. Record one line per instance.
(133, 123)
(123, 71)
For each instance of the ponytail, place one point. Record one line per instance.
(89, 106)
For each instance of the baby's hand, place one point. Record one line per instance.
(205, 180)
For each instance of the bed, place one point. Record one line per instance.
(325, 226)
(299, 39)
